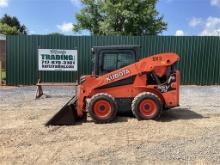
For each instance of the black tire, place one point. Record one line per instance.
(146, 106)
(95, 112)
(166, 109)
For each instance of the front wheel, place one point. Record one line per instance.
(146, 106)
(102, 108)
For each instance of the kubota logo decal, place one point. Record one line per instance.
(118, 75)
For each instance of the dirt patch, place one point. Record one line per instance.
(187, 134)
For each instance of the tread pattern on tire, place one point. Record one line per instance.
(138, 98)
(112, 102)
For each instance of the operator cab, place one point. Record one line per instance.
(110, 58)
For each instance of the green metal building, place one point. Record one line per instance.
(199, 65)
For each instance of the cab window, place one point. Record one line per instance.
(111, 61)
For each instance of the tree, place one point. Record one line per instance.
(120, 17)
(56, 34)
(13, 22)
(8, 30)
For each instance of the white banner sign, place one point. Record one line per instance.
(57, 60)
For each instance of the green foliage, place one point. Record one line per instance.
(8, 30)
(3, 75)
(12, 24)
(120, 17)
(56, 34)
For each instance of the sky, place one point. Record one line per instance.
(184, 17)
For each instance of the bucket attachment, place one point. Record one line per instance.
(67, 115)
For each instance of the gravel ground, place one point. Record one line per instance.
(187, 134)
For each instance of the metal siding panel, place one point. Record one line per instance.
(200, 58)
(216, 69)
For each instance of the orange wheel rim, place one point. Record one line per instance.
(102, 108)
(147, 107)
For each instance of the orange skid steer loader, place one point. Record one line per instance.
(120, 81)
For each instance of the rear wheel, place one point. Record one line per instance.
(102, 108)
(146, 106)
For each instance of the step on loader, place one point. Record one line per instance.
(122, 80)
